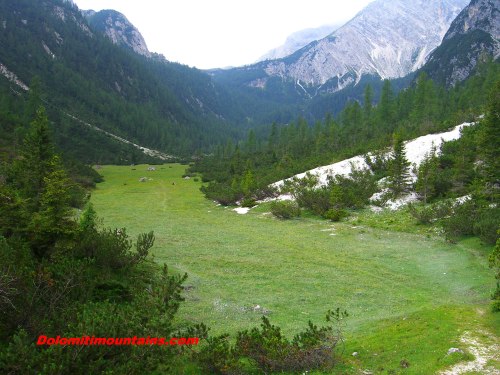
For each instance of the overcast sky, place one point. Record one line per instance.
(221, 33)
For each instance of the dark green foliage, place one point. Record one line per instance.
(399, 173)
(272, 352)
(266, 350)
(333, 200)
(461, 223)
(60, 277)
(248, 202)
(222, 193)
(151, 102)
(353, 191)
(217, 356)
(427, 214)
(494, 261)
(489, 138)
(336, 214)
(112, 291)
(283, 151)
(285, 209)
(315, 200)
(428, 177)
(486, 225)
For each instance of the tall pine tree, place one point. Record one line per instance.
(399, 177)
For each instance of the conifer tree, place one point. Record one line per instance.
(36, 160)
(52, 220)
(368, 103)
(399, 177)
(385, 108)
(490, 138)
(428, 175)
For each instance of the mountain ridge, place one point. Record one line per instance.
(473, 36)
(392, 39)
(118, 29)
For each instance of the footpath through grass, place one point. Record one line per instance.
(410, 296)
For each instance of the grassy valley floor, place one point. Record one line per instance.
(410, 295)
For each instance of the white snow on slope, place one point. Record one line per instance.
(12, 77)
(416, 150)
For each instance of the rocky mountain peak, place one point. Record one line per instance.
(478, 15)
(473, 36)
(389, 38)
(118, 29)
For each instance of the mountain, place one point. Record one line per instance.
(473, 35)
(118, 29)
(147, 101)
(387, 39)
(298, 40)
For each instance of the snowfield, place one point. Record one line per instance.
(416, 150)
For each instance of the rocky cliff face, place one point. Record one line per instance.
(389, 39)
(118, 29)
(473, 35)
(298, 40)
(478, 15)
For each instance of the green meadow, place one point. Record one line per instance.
(410, 294)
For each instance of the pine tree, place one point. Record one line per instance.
(52, 221)
(428, 175)
(399, 177)
(35, 164)
(368, 103)
(490, 138)
(385, 108)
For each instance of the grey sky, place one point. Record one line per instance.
(221, 33)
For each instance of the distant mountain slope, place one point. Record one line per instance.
(149, 101)
(298, 40)
(474, 34)
(388, 39)
(118, 29)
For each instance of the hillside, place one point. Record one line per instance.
(474, 36)
(393, 39)
(150, 101)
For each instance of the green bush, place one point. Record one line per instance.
(217, 356)
(336, 214)
(248, 202)
(315, 200)
(461, 221)
(222, 193)
(486, 225)
(429, 213)
(312, 349)
(285, 209)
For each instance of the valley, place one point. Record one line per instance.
(332, 208)
(410, 294)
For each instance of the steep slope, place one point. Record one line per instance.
(387, 39)
(149, 101)
(298, 40)
(473, 35)
(118, 29)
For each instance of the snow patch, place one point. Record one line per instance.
(396, 204)
(241, 210)
(416, 151)
(12, 77)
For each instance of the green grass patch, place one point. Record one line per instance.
(399, 283)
